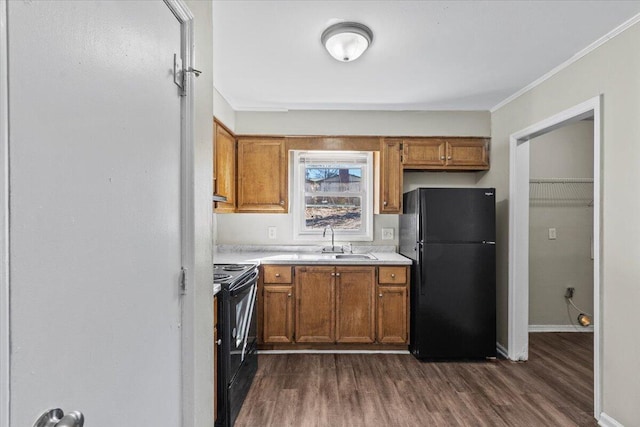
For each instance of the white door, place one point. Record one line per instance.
(95, 249)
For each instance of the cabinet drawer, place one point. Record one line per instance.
(392, 275)
(277, 274)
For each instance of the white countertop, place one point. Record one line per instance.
(384, 255)
(302, 255)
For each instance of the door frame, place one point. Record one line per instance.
(5, 339)
(518, 318)
(187, 108)
(187, 211)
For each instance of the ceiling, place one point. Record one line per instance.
(425, 55)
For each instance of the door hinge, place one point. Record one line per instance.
(180, 74)
(183, 281)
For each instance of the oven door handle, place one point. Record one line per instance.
(247, 320)
(246, 283)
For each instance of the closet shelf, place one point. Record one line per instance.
(561, 192)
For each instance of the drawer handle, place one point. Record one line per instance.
(277, 274)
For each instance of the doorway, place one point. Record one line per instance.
(519, 192)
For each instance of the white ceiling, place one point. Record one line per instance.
(426, 55)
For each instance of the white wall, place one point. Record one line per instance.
(252, 228)
(202, 367)
(390, 123)
(223, 111)
(611, 70)
(555, 265)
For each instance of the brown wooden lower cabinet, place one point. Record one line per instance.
(315, 304)
(277, 326)
(392, 314)
(355, 304)
(334, 305)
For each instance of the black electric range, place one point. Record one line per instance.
(237, 347)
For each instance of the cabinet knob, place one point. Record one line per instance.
(442, 158)
(384, 203)
(393, 275)
(337, 274)
(277, 274)
(449, 158)
(282, 202)
(380, 295)
(219, 342)
(333, 274)
(288, 295)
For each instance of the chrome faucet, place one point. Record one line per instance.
(333, 245)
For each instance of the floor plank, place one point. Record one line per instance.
(553, 388)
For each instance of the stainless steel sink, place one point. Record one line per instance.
(354, 256)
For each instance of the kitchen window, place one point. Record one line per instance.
(333, 188)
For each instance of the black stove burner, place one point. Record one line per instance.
(234, 267)
(221, 276)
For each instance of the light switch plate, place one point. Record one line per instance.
(552, 234)
(387, 234)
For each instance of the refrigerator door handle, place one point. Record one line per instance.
(488, 242)
(420, 248)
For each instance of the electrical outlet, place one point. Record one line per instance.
(569, 293)
(552, 234)
(387, 234)
(271, 232)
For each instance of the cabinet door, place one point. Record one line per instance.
(224, 161)
(355, 304)
(391, 176)
(392, 314)
(423, 152)
(262, 175)
(468, 153)
(315, 304)
(277, 325)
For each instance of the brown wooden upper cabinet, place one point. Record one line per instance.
(224, 161)
(445, 153)
(262, 175)
(391, 176)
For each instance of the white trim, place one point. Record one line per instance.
(559, 328)
(187, 148)
(519, 233)
(607, 421)
(5, 330)
(502, 352)
(333, 352)
(593, 46)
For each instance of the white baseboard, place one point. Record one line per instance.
(502, 351)
(333, 351)
(560, 328)
(607, 421)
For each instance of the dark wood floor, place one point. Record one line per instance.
(554, 388)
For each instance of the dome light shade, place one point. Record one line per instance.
(346, 41)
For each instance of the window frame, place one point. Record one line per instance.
(298, 204)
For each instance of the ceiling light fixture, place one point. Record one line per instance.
(346, 41)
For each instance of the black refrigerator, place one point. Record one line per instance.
(449, 233)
